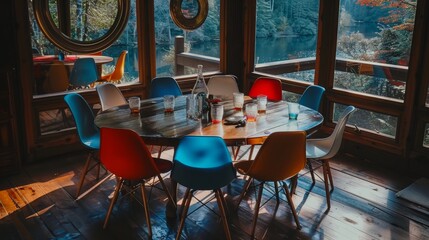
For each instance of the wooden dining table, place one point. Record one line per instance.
(159, 128)
(166, 129)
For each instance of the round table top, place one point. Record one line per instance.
(157, 127)
(70, 59)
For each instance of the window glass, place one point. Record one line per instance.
(377, 123)
(286, 38)
(426, 136)
(90, 19)
(373, 46)
(178, 52)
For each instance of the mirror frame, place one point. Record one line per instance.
(188, 23)
(65, 43)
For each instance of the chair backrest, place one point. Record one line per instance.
(84, 72)
(110, 96)
(223, 86)
(118, 73)
(161, 86)
(57, 79)
(336, 137)
(280, 157)
(88, 132)
(312, 97)
(124, 153)
(202, 163)
(270, 87)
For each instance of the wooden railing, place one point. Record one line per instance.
(395, 74)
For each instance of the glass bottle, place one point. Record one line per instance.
(200, 92)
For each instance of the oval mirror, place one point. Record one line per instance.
(77, 28)
(189, 14)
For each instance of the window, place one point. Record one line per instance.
(286, 38)
(373, 46)
(178, 51)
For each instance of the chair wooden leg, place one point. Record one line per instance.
(256, 213)
(184, 215)
(252, 147)
(310, 166)
(83, 174)
(325, 179)
(160, 151)
(292, 206)
(146, 210)
(243, 192)
(276, 187)
(294, 184)
(220, 202)
(185, 197)
(235, 150)
(113, 201)
(166, 190)
(328, 167)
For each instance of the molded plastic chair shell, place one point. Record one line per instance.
(202, 163)
(161, 86)
(312, 97)
(88, 132)
(118, 72)
(125, 154)
(281, 157)
(84, 72)
(324, 149)
(110, 96)
(270, 87)
(223, 86)
(57, 79)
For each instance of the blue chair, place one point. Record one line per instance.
(312, 97)
(161, 86)
(89, 134)
(202, 163)
(84, 73)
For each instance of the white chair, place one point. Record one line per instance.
(223, 86)
(110, 96)
(323, 149)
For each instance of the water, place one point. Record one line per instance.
(267, 49)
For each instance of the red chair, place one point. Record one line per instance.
(267, 86)
(124, 153)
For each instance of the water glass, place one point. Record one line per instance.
(238, 99)
(251, 112)
(169, 102)
(134, 103)
(293, 109)
(262, 104)
(216, 113)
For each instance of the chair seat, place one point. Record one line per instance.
(317, 148)
(163, 165)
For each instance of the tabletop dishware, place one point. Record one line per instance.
(216, 113)
(262, 104)
(134, 103)
(251, 112)
(293, 109)
(238, 100)
(169, 102)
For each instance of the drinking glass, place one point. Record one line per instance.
(251, 112)
(262, 104)
(169, 102)
(216, 113)
(134, 103)
(293, 109)
(238, 99)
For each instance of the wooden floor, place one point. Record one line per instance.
(39, 204)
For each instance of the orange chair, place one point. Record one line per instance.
(281, 157)
(118, 73)
(124, 153)
(271, 87)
